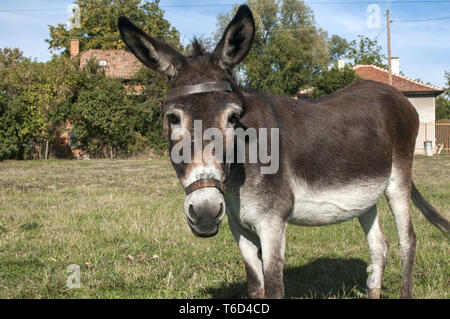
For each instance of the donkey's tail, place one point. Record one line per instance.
(429, 211)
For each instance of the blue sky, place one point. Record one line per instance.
(423, 47)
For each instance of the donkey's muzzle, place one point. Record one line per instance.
(204, 210)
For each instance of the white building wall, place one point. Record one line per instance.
(425, 106)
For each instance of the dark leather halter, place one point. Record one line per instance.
(205, 182)
(204, 87)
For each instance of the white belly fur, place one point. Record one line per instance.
(327, 206)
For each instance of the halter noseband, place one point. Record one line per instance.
(204, 87)
(205, 182)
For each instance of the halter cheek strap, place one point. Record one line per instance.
(205, 182)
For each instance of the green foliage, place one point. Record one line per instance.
(442, 108)
(134, 120)
(333, 80)
(12, 144)
(102, 116)
(16, 74)
(366, 51)
(98, 24)
(289, 48)
(150, 99)
(110, 121)
(339, 48)
(443, 101)
(33, 101)
(291, 52)
(10, 57)
(107, 117)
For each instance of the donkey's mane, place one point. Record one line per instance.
(198, 48)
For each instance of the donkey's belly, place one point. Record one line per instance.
(327, 206)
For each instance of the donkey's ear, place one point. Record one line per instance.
(236, 40)
(155, 54)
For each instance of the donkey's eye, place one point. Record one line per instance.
(173, 119)
(233, 120)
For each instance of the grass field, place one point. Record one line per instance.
(123, 223)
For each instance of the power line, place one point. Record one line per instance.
(235, 3)
(421, 20)
(310, 3)
(30, 10)
(375, 2)
(381, 32)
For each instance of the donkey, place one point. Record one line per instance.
(337, 156)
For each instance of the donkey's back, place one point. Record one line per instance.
(357, 133)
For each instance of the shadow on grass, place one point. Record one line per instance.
(322, 278)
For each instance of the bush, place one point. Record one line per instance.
(12, 144)
(110, 121)
(333, 80)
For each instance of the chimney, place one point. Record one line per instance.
(74, 48)
(341, 64)
(395, 65)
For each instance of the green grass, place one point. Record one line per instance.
(97, 213)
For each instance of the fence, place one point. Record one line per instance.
(438, 133)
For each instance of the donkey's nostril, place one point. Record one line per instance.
(220, 211)
(191, 215)
(205, 212)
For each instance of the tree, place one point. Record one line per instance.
(16, 72)
(333, 80)
(109, 120)
(12, 145)
(97, 27)
(45, 98)
(32, 96)
(10, 57)
(103, 118)
(150, 100)
(366, 51)
(443, 101)
(289, 48)
(339, 48)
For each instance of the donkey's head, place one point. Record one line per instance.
(203, 104)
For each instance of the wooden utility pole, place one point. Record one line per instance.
(389, 46)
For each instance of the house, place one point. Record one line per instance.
(118, 64)
(421, 95)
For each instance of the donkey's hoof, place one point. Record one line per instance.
(374, 293)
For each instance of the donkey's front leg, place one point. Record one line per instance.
(272, 232)
(250, 248)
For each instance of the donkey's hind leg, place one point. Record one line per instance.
(378, 247)
(398, 194)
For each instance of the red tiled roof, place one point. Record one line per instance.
(119, 63)
(400, 82)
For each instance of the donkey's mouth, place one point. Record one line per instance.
(206, 234)
(211, 232)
